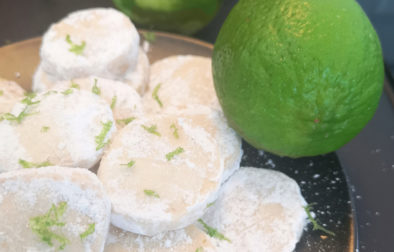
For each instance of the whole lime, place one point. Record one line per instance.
(183, 16)
(298, 77)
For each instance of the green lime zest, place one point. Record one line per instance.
(316, 225)
(152, 193)
(130, 164)
(41, 225)
(26, 164)
(212, 232)
(28, 100)
(88, 231)
(75, 48)
(95, 89)
(68, 91)
(200, 249)
(50, 92)
(100, 139)
(1, 92)
(152, 129)
(19, 118)
(210, 204)
(113, 102)
(149, 36)
(172, 154)
(156, 96)
(45, 128)
(175, 132)
(75, 85)
(125, 121)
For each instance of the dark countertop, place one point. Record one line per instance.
(368, 160)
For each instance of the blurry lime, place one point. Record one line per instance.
(183, 16)
(298, 77)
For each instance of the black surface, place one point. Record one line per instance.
(368, 160)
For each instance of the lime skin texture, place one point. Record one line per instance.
(181, 16)
(298, 77)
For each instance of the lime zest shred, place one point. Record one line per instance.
(152, 129)
(129, 164)
(151, 193)
(19, 118)
(316, 225)
(41, 225)
(149, 36)
(210, 204)
(200, 249)
(90, 230)
(172, 154)
(75, 85)
(68, 91)
(1, 92)
(50, 92)
(100, 139)
(26, 164)
(125, 121)
(75, 48)
(28, 100)
(156, 96)
(113, 102)
(45, 129)
(95, 89)
(212, 232)
(175, 132)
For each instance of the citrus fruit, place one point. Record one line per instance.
(298, 77)
(184, 16)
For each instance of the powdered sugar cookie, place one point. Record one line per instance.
(160, 172)
(124, 101)
(214, 122)
(257, 210)
(10, 93)
(181, 80)
(52, 209)
(62, 127)
(85, 43)
(188, 239)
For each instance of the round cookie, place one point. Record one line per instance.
(53, 209)
(214, 122)
(258, 210)
(181, 80)
(124, 101)
(85, 43)
(188, 239)
(62, 127)
(136, 77)
(160, 172)
(10, 94)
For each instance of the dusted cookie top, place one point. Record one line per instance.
(52, 209)
(62, 127)
(257, 210)
(160, 172)
(101, 42)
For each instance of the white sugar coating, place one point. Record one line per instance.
(186, 239)
(138, 77)
(184, 185)
(127, 101)
(61, 129)
(184, 80)
(258, 210)
(111, 45)
(213, 121)
(30, 193)
(10, 93)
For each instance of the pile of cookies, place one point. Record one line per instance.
(113, 154)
